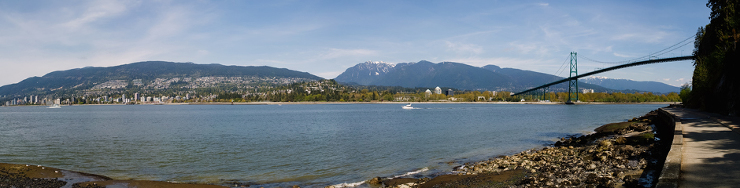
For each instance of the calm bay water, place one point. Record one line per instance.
(276, 145)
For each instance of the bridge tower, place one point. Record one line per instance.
(573, 92)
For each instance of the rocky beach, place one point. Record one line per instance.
(625, 154)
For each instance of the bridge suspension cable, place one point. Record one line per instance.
(649, 56)
(557, 73)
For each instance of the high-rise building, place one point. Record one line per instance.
(437, 90)
(136, 96)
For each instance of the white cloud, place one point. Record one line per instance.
(95, 11)
(644, 35)
(621, 55)
(334, 53)
(462, 48)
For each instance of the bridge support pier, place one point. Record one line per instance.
(573, 83)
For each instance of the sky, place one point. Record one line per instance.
(327, 37)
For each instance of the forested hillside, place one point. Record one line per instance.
(716, 82)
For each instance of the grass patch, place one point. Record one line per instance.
(644, 138)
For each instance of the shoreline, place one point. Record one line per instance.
(618, 154)
(477, 172)
(320, 102)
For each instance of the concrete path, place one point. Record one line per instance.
(711, 149)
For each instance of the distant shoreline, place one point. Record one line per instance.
(311, 103)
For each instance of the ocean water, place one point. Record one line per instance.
(283, 145)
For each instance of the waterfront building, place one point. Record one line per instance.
(427, 93)
(588, 91)
(136, 96)
(437, 90)
(450, 93)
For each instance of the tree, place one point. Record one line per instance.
(685, 92)
(715, 81)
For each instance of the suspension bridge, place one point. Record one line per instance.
(574, 76)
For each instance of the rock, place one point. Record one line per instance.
(408, 185)
(375, 181)
(591, 167)
(331, 186)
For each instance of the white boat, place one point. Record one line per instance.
(54, 106)
(408, 106)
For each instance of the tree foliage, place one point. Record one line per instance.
(715, 84)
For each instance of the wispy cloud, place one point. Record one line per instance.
(622, 55)
(643, 36)
(502, 62)
(95, 11)
(462, 48)
(337, 53)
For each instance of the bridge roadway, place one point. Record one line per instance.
(610, 69)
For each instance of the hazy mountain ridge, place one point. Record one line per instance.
(626, 84)
(88, 77)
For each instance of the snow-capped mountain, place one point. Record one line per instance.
(367, 72)
(447, 74)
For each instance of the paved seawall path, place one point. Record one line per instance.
(710, 154)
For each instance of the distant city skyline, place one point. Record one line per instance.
(326, 37)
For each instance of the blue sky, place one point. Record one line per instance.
(327, 37)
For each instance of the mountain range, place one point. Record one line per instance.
(489, 77)
(88, 77)
(453, 75)
(410, 75)
(625, 84)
